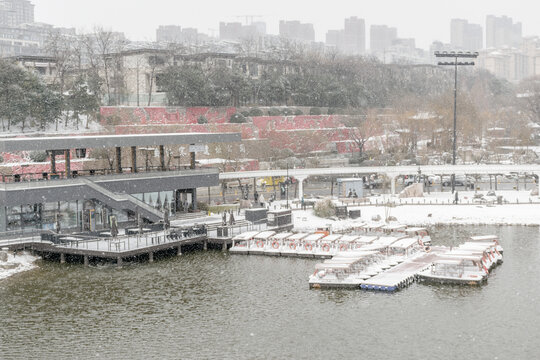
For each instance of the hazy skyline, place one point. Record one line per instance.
(423, 20)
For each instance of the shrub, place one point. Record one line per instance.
(333, 111)
(256, 112)
(274, 112)
(38, 156)
(314, 111)
(202, 206)
(288, 112)
(298, 112)
(324, 209)
(202, 120)
(1, 159)
(245, 113)
(237, 118)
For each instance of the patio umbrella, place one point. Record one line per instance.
(57, 223)
(224, 219)
(140, 223)
(166, 223)
(158, 202)
(114, 226)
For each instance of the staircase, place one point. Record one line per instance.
(123, 201)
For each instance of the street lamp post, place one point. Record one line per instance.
(287, 185)
(455, 55)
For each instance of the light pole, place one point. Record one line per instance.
(287, 185)
(455, 55)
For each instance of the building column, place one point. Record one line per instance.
(118, 159)
(179, 250)
(62, 258)
(119, 261)
(53, 162)
(194, 199)
(3, 220)
(162, 157)
(393, 184)
(192, 158)
(134, 159)
(300, 187)
(67, 157)
(86, 261)
(151, 256)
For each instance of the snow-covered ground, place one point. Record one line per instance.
(16, 264)
(429, 210)
(50, 129)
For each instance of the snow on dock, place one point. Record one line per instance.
(401, 275)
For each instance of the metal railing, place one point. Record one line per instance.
(61, 175)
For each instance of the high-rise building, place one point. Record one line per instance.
(465, 36)
(502, 32)
(295, 30)
(354, 36)
(381, 38)
(16, 12)
(236, 31)
(169, 33)
(351, 40)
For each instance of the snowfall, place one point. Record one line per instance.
(433, 209)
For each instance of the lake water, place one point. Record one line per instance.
(213, 305)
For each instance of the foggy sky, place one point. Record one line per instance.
(425, 20)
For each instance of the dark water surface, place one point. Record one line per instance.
(213, 305)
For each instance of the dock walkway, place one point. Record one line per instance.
(401, 275)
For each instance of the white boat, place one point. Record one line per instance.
(327, 246)
(275, 243)
(419, 233)
(242, 242)
(463, 270)
(259, 243)
(292, 243)
(488, 238)
(309, 244)
(341, 271)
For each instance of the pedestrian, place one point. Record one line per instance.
(456, 198)
(256, 196)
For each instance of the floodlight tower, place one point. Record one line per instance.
(455, 55)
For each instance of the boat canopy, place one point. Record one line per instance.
(314, 237)
(348, 238)
(246, 236)
(264, 235)
(332, 237)
(281, 236)
(332, 266)
(366, 239)
(404, 243)
(485, 238)
(297, 236)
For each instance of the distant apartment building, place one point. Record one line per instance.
(502, 32)
(236, 31)
(351, 40)
(354, 36)
(177, 34)
(27, 39)
(295, 30)
(381, 38)
(16, 12)
(465, 36)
